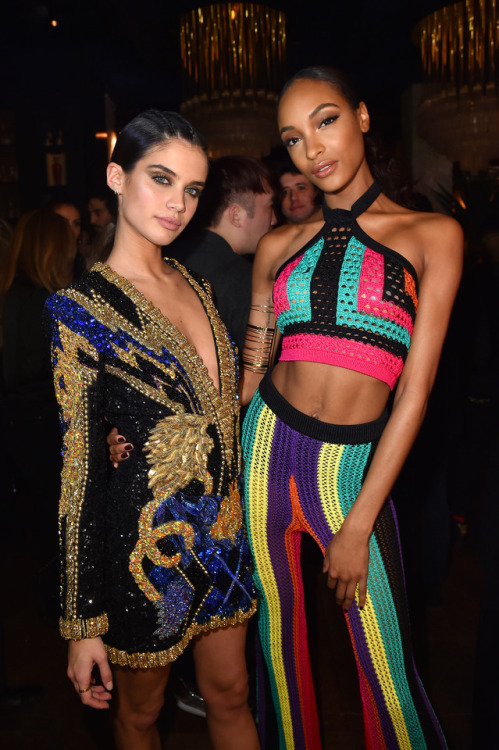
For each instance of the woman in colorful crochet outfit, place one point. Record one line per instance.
(154, 556)
(321, 453)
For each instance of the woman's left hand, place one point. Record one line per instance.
(119, 448)
(346, 562)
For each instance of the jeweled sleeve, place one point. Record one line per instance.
(78, 384)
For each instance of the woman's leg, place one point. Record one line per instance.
(222, 678)
(139, 700)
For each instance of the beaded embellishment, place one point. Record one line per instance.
(176, 539)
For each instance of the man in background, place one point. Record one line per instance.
(299, 199)
(101, 209)
(235, 210)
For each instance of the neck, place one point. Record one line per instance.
(133, 255)
(346, 196)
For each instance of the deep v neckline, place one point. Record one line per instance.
(159, 318)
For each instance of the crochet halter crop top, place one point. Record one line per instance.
(346, 300)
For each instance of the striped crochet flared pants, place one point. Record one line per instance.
(302, 477)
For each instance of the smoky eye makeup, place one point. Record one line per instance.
(161, 177)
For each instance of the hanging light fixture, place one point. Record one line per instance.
(460, 54)
(233, 60)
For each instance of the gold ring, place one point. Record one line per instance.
(85, 690)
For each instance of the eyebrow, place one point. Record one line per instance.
(165, 169)
(174, 174)
(312, 114)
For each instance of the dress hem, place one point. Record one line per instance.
(148, 660)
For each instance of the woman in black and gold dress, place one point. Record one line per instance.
(155, 555)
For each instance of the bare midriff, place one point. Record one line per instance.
(329, 393)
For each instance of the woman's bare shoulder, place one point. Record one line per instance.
(281, 243)
(424, 221)
(438, 233)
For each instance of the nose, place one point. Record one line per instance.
(294, 195)
(314, 145)
(273, 218)
(176, 200)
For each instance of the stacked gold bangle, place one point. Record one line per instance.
(257, 347)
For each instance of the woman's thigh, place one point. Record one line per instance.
(220, 658)
(140, 690)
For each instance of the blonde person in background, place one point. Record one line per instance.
(40, 261)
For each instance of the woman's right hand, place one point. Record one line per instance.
(82, 657)
(119, 448)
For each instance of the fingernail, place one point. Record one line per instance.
(128, 447)
(124, 455)
(121, 439)
(109, 685)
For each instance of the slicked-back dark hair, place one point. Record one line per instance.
(333, 76)
(149, 129)
(232, 179)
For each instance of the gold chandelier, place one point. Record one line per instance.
(460, 45)
(460, 114)
(233, 60)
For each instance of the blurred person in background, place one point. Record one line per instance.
(71, 213)
(299, 199)
(67, 208)
(235, 210)
(101, 209)
(40, 262)
(102, 213)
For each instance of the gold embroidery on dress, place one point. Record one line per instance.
(75, 630)
(230, 516)
(72, 381)
(161, 658)
(222, 407)
(218, 408)
(177, 452)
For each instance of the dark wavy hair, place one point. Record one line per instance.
(149, 129)
(386, 168)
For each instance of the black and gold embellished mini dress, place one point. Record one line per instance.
(154, 552)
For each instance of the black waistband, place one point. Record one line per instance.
(352, 434)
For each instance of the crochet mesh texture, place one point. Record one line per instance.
(296, 484)
(343, 303)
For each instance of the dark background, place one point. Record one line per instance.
(55, 79)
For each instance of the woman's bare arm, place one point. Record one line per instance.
(262, 335)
